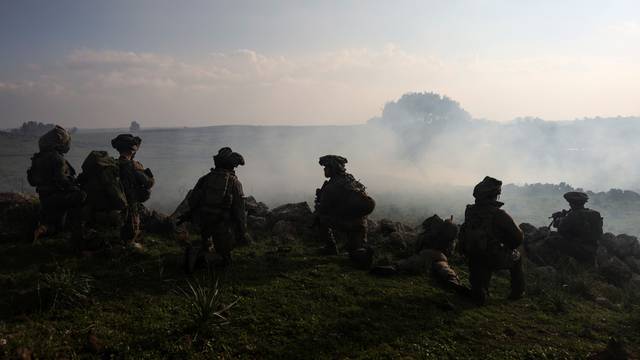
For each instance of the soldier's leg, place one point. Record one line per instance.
(325, 232)
(517, 279)
(479, 277)
(223, 239)
(356, 234)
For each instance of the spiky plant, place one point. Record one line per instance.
(203, 303)
(65, 288)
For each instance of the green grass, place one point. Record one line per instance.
(290, 305)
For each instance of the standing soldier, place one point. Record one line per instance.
(341, 207)
(55, 180)
(489, 238)
(136, 183)
(580, 229)
(217, 204)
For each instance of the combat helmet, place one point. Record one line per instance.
(227, 158)
(57, 139)
(576, 197)
(487, 188)
(336, 162)
(125, 142)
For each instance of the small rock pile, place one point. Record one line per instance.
(618, 256)
(18, 216)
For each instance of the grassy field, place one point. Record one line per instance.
(291, 303)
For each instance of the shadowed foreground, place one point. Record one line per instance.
(293, 303)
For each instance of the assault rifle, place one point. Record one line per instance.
(557, 215)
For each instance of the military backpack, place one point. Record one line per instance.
(357, 202)
(218, 191)
(476, 234)
(101, 181)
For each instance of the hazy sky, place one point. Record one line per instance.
(166, 63)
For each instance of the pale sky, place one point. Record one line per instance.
(195, 63)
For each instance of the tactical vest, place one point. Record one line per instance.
(476, 234)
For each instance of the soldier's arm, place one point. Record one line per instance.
(512, 232)
(197, 194)
(238, 207)
(59, 175)
(144, 177)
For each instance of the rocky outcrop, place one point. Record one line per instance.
(617, 256)
(18, 216)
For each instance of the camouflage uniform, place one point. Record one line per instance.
(333, 216)
(55, 180)
(503, 237)
(217, 202)
(136, 183)
(432, 247)
(580, 230)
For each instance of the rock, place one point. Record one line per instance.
(528, 228)
(634, 282)
(604, 302)
(615, 271)
(387, 227)
(285, 230)
(397, 240)
(615, 350)
(24, 353)
(373, 227)
(18, 216)
(255, 208)
(622, 245)
(602, 255)
(545, 271)
(633, 263)
(299, 213)
(256, 222)
(154, 222)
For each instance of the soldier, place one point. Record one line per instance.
(217, 204)
(136, 183)
(341, 206)
(580, 229)
(489, 238)
(433, 246)
(55, 180)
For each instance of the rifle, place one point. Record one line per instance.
(557, 215)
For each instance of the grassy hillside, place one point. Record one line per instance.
(290, 304)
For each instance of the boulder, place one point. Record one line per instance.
(299, 213)
(633, 263)
(154, 222)
(18, 216)
(256, 222)
(285, 230)
(615, 271)
(256, 208)
(622, 245)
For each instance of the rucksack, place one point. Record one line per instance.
(358, 202)
(101, 181)
(476, 234)
(217, 191)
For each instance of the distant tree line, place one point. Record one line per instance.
(35, 129)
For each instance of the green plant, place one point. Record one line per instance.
(65, 288)
(203, 303)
